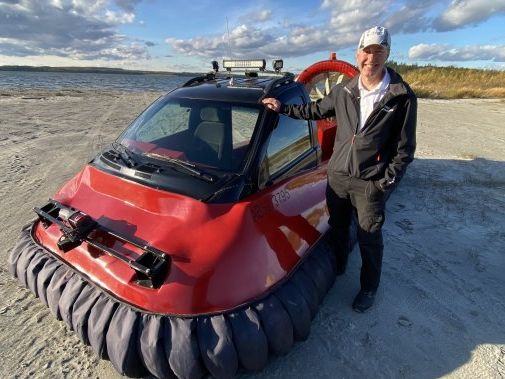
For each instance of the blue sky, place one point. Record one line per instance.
(187, 35)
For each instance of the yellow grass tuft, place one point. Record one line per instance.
(452, 82)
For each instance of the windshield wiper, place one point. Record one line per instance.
(186, 166)
(124, 153)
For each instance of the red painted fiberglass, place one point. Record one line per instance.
(222, 255)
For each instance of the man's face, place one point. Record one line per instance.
(371, 61)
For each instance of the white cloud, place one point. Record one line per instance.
(79, 29)
(468, 12)
(70, 61)
(243, 41)
(83, 7)
(410, 16)
(116, 18)
(426, 51)
(255, 16)
(354, 16)
(429, 52)
(57, 3)
(264, 15)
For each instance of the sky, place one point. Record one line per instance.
(188, 35)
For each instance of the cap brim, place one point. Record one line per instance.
(374, 44)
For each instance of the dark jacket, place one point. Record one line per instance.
(385, 145)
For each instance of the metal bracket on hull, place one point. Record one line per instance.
(151, 266)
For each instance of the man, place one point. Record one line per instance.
(376, 116)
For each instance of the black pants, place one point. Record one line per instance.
(345, 195)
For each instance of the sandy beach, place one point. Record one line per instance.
(440, 310)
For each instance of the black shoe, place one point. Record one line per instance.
(363, 301)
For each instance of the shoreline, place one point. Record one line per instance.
(43, 93)
(81, 92)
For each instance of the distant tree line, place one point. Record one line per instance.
(403, 68)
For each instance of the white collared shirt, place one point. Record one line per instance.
(368, 99)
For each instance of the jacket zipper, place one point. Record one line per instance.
(356, 104)
(349, 153)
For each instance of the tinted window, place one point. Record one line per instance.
(289, 140)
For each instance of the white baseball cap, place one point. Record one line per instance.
(378, 35)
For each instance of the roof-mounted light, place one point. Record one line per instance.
(277, 65)
(215, 66)
(230, 64)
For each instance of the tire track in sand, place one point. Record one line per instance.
(500, 363)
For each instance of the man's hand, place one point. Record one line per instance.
(272, 104)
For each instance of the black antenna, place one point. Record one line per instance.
(229, 41)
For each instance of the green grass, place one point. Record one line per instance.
(452, 82)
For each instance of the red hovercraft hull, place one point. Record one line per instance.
(213, 247)
(243, 279)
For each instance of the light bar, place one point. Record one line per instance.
(229, 64)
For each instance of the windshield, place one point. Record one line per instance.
(207, 133)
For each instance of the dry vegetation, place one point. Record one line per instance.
(451, 82)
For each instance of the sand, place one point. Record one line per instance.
(440, 310)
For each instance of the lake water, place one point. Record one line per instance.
(24, 80)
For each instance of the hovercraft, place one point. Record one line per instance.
(196, 243)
